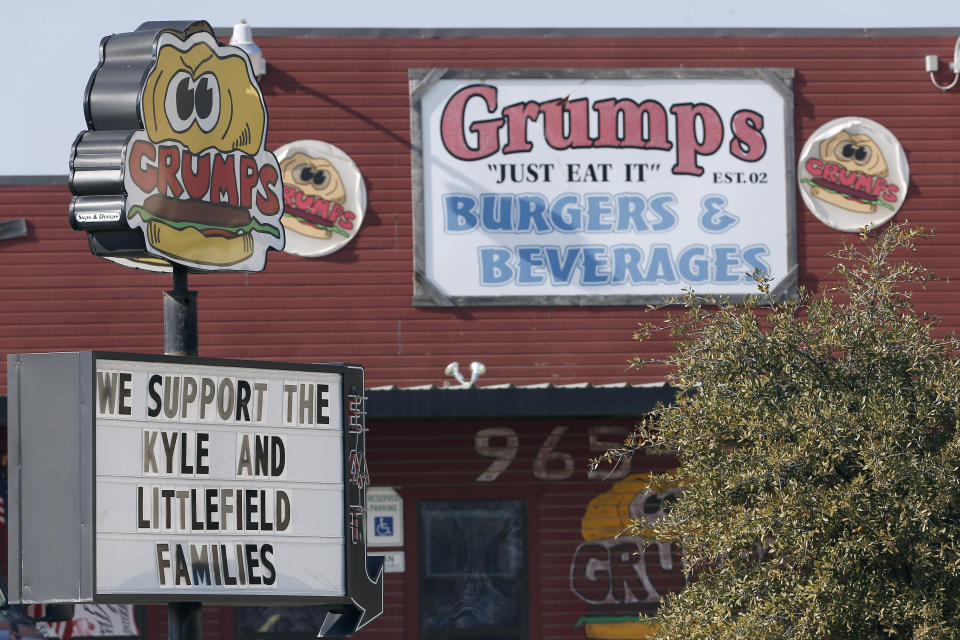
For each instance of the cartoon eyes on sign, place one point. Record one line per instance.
(196, 96)
(853, 173)
(859, 155)
(319, 176)
(324, 197)
(190, 101)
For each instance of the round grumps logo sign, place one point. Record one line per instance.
(324, 197)
(853, 173)
(199, 182)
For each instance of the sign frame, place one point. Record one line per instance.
(52, 450)
(428, 294)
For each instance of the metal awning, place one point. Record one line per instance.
(510, 401)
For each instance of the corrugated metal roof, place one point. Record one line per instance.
(540, 385)
(544, 400)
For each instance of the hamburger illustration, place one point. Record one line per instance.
(200, 231)
(850, 174)
(853, 173)
(199, 182)
(307, 182)
(622, 578)
(324, 197)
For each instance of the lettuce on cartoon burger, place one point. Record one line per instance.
(200, 231)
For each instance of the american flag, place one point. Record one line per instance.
(89, 621)
(52, 630)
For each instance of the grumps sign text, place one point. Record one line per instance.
(606, 186)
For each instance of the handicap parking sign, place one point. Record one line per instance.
(383, 526)
(384, 517)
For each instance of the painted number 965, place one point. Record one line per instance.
(502, 444)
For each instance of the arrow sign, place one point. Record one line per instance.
(370, 592)
(364, 598)
(366, 604)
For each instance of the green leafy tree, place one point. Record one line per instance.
(819, 442)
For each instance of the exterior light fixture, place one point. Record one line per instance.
(932, 62)
(243, 38)
(476, 370)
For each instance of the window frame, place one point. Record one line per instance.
(411, 500)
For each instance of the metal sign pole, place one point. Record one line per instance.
(183, 618)
(180, 339)
(180, 317)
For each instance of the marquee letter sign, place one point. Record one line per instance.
(158, 479)
(173, 168)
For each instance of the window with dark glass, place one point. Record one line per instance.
(473, 569)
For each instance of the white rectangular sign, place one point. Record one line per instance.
(218, 480)
(384, 518)
(394, 562)
(601, 186)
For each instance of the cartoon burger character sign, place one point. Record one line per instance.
(622, 578)
(324, 197)
(199, 182)
(853, 174)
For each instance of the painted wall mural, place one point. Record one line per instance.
(621, 578)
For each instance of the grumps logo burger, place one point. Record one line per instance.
(199, 182)
(853, 173)
(621, 579)
(324, 197)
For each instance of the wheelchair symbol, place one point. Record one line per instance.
(383, 526)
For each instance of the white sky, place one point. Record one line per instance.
(52, 47)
